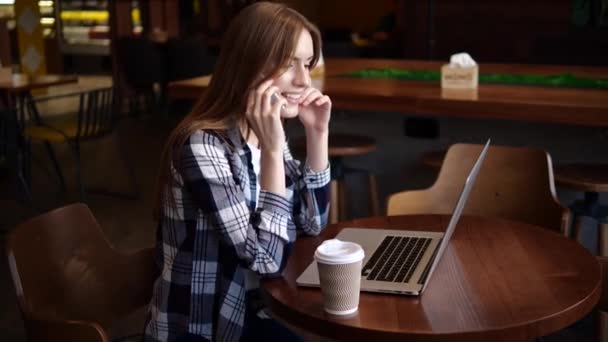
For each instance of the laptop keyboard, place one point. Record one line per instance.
(395, 259)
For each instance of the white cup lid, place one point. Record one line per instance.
(335, 251)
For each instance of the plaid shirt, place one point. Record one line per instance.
(209, 245)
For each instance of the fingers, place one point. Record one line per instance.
(312, 95)
(266, 100)
(259, 94)
(322, 100)
(254, 95)
(263, 86)
(250, 104)
(264, 116)
(259, 100)
(306, 96)
(278, 106)
(261, 111)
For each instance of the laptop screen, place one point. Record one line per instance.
(462, 200)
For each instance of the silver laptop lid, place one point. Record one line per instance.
(462, 200)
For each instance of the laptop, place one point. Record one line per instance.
(400, 261)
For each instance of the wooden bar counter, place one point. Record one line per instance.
(572, 106)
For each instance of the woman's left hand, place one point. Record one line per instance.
(315, 110)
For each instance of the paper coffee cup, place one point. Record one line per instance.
(339, 264)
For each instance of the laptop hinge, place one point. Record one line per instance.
(425, 273)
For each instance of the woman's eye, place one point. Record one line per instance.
(307, 66)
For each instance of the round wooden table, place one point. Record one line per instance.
(498, 280)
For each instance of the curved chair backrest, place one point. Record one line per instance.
(64, 269)
(94, 107)
(188, 58)
(142, 72)
(96, 113)
(513, 183)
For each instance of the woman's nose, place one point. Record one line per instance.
(302, 77)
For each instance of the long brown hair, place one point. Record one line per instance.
(259, 42)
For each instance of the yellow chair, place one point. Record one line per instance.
(513, 183)
(94, 119)
(72, 285)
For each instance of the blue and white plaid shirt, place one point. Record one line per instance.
(217, 236)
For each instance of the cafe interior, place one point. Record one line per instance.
(91, 89)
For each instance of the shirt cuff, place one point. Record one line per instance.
(314, 179)
(274, 202)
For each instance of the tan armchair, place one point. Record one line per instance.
(513, 183)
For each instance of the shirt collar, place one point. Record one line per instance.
(237, 140)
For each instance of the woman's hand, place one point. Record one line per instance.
(265, 117)
(315, 110)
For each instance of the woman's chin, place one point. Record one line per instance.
(290, 112)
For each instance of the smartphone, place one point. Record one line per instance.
(274, 98)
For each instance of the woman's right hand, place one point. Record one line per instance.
(265, 117)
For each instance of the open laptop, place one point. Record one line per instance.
(400, 261)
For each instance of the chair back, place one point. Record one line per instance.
(143, 61)
(188, 58)
(63, 268)
(513, 183)
(96, 110)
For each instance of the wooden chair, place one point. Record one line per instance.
(188, 58)
(513, 183)
(71, 284)
(341, 146)
(94, 120)
(142, 74)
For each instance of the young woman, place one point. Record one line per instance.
(231, 197)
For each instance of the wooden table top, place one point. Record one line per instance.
(21, 83)
(588, 107)
(497, 281)
(586, 177)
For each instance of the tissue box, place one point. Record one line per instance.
(459, 78)
(459, 94)
(6, 75)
